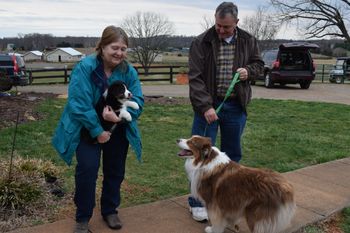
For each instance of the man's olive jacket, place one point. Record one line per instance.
(202, 68)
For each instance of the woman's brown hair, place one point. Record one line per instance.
(109, 35)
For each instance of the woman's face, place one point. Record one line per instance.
(114, 53)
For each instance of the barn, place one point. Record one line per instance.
(64, 55)
(33, 56)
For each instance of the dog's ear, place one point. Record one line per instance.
(205, 152)
(206, 147)
(207, 141)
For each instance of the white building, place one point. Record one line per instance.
(33, 56)
(64, 55)
(158, 58)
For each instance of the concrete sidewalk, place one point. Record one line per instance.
(321, 190)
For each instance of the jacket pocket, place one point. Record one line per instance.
(67, 134)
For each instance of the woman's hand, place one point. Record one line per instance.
(104, 137)
(109, 115)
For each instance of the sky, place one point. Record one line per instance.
(90, 17)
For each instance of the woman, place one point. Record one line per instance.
(89, 79)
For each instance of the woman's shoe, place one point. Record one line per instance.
(113, 221)
(81, 227)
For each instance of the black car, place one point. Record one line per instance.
(12, 71)
(291, 63)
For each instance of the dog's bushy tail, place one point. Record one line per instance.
(278, 222)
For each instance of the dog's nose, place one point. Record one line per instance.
(129, 95)
(177, 140)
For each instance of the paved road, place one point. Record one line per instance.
(331, 93)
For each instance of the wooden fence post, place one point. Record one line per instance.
(171, 74)
(30, 77)
(322, 72)
(65, 75)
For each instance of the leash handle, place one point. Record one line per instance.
(235, 79)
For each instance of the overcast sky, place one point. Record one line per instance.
(90, 17)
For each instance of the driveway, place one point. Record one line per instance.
(331, 93)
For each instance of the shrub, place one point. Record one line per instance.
(28, 194)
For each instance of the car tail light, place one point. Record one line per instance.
(15, 65)
(313, 66)
(276, 64)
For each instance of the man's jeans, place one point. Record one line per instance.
(232, 120)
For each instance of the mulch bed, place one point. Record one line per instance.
(24, 105)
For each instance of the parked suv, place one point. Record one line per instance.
(341, 70)
(291, 63)
(12, 71)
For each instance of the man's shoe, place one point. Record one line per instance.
(199, 214)
(113, 221)
(81, 227)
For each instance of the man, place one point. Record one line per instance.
(214, 56)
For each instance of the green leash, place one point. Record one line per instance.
(229, 90)
(235, 79)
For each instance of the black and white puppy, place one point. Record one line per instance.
(117, 96)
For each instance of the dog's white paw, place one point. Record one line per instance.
(125, 115)
(208, 229)
(133, 105)
(136, 106)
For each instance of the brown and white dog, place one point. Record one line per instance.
(231, 191)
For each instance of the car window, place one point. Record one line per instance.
(6, 63)
(339, 64)
(269, 56)
(293, 57)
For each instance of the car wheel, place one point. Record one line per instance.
(268, 82)
(5, 85)
(339, 80)
(305, 84)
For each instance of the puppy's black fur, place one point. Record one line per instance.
(114, 97)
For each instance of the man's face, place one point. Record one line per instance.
(226, 26)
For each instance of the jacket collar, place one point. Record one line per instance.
(98, 76)
(212, 37)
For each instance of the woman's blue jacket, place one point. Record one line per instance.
(87, 83)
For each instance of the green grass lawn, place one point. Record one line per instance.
(281, 135)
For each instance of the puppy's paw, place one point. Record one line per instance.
(208, 229)
(134, 105)
(127, 117)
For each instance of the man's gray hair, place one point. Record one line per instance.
(226, 8)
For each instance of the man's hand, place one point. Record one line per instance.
(109, 115)
(243, 73)
(210, 115)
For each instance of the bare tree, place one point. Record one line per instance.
(261, 25)
(149, 33)
(322, 18)
(207, 22)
